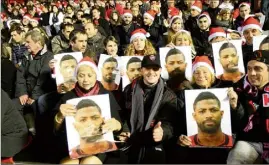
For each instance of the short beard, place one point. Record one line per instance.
(211, 130)
(109, 80)
(176, 73)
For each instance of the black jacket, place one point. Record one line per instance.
(200, 42)
(123, 36)
(156, 33)
(14, 131)
(247, 51)
(34, 75)
(8, 77)
(213, 14)
(61, 133)
(256, 104)
(143, 148)
(191, 25)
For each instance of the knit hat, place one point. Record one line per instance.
(89, 62)
(216, 32)
(139, 33)
(244, 4)
(27, 16)
(150, 14)
(251, 23)
(127, 12)
(202, 61)
(206, 15)
(197, 6)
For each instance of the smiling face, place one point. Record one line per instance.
(208, 115)
(258, 73)
(176, 25)
(151, 75)
(203, 77)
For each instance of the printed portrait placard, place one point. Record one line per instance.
(208, 114)
(84, 130)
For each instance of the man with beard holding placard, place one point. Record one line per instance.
(229, 58)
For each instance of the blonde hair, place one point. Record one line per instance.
(223, 11)
(171, 33)
(183, 34)
(148, 50)
(213, 78)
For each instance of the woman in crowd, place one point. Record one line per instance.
(56, 18)
(203, 78)
(182, 38)
(111, 46)
(87, 85)
(114, 20)
(224, 19)
(176, 24)
(139, 44)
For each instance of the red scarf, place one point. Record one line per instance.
(93, 91)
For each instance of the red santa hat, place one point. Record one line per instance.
(35, 19)
(150, 14)
(184, 31)
(23, 10)
(10, 22)
(251, 23)
(3, 16)
(139, 33)
(127, 13)
(206, 15)
(197, 6)
(202, 61)
(87, 61)
(216, 32)
(65, 3)
(27, 16)
(244, 4)
(174, 14)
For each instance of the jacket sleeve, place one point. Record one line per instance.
(21, 88)
(56, 45)
(43, 78)
(264, 7)
(50, 19)
(169, 119)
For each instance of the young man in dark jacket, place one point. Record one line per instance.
(253, 94)
(151, 111)
(123, 32)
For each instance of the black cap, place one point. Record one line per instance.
(261, 56)
(151, 60)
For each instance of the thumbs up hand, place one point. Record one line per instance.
(158, 132)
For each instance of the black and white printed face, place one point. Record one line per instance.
(88, 121)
